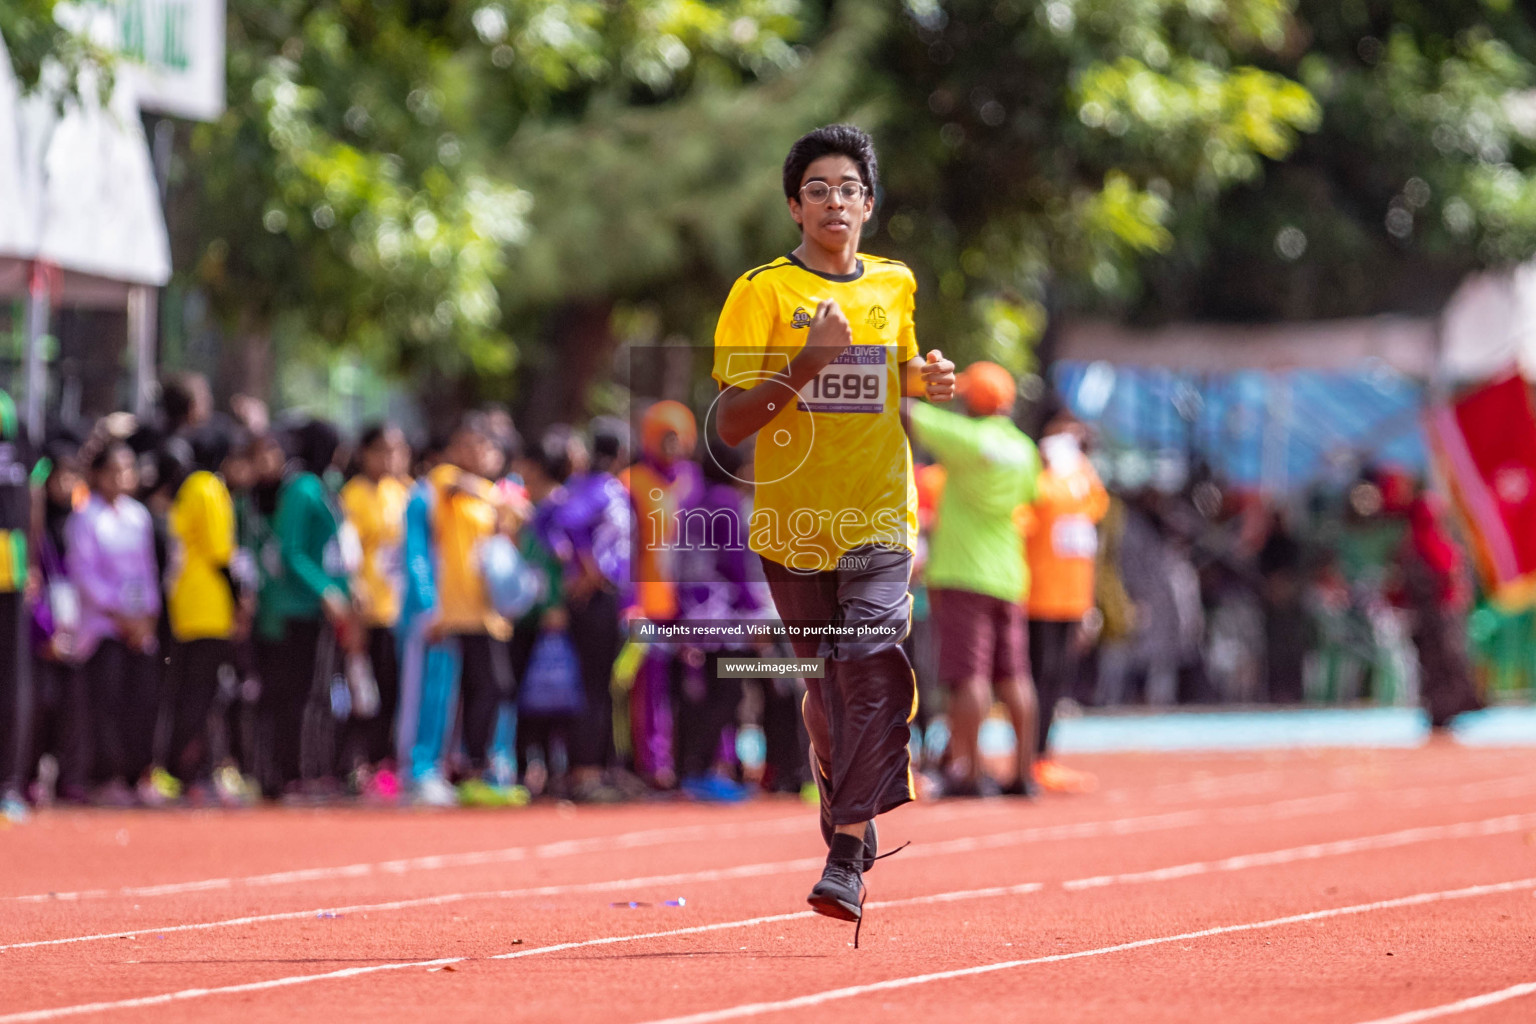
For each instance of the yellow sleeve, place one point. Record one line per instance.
(219, 509)
(744, 330)
(360, 512)
(906, 335)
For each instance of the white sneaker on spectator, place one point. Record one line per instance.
(14, 809)
(434, 791)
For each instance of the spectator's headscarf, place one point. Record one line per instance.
(553, 454)
(663, 418)
(610, 444)
(211, 445)
(314, 446)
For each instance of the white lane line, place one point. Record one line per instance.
(559, 947)
(969, 844)
(783, 825)
(853, 991)
(966, 844)
(1314, 851)
(544, 851)
(1503, 995)
(715, 875)
(911, 901)
(1198, 789)
(752, 1009)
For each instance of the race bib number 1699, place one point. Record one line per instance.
(853, 382)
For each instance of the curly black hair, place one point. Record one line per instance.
(833, 139)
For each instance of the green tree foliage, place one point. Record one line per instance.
(1424, 168)
(1046, 150)
(460, 188)
(355, 192)
(1025, 148)
(644, 213)
(35, 40)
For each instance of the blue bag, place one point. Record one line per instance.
(551, 687)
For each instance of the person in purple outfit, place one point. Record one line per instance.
(589, 527)
(61, 714)
(716, 584)
(663, 481)
(111, 561)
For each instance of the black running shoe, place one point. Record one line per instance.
(982, 788)
(840, 893)
(1025, 787)
(871, 834)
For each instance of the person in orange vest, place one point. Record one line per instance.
(1061, 544)
(662, 482)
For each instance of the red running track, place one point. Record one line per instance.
(1342, 887)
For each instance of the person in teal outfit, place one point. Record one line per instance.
(429, 672)
(306, 607)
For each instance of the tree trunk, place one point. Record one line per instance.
(247, 366)
(578, 349)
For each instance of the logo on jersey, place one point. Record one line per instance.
(877, 318)
(800, 320)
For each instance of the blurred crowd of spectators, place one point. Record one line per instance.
(218, 606)
(1210, 596)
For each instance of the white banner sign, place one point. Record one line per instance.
(172, 50)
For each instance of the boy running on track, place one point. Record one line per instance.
(810, 353)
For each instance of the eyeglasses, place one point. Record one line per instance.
(819, 192)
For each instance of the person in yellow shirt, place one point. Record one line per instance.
(810, 354)
(374, 503)
(200, 601)
(1061, 547)
(466, 514)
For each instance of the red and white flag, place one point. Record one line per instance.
(1485, 446)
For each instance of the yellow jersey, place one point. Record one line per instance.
(201, 531)
(377, 512)
(833, 469)
(464, 518)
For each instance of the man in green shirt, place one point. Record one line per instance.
(976, 572)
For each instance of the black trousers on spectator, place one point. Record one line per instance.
(706, 704)
(194, 673)
(240, 725)
(123, 687)
(785, 769)
(1053, 662)
(15, 691)
(372, 740)
(596, 634)
(485, 683)
(1446, 684)
(61, 726)
(288, 670)
(535, 732)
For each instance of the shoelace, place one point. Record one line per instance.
(864, 891)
